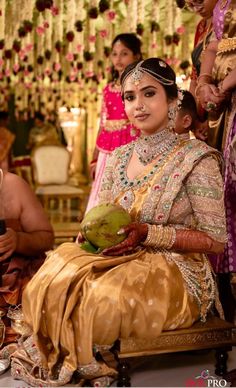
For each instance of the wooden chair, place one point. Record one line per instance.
(64, 203)
(215, 333)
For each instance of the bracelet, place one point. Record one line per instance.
(205, 75)
(160, 237)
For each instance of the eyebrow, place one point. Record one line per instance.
(142, 89)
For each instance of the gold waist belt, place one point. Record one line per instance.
(226, 45)
(115, 125)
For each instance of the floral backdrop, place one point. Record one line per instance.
(54, 57)
(56, 52)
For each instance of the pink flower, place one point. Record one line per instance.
(28, 85)
(89, 74)
(181, 30)
(92, 38)
(54, 10)
(29, 47)
(16, 67)
(26, 72)
(154, 45)
(69, 57)
(7, 72)
(103, 33)
(169, 61)
(40, 30)
(111, 15)
(72, 77)
(1, 62)
(22, 54)
(57, 66)
(175, 61)
(79, 48)
(45, 24)
(39, 78)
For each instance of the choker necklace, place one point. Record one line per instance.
(150, 147)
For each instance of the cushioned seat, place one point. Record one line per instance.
(64, 202)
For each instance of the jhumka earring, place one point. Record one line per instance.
(133, 131)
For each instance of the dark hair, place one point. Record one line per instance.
(38, 115)
(3, 115)
(158, 69)
(189, 106)
(132, 42)
(180, 3)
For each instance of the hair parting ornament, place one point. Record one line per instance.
(138, 71)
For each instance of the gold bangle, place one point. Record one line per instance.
(207, 75)
(160, 237)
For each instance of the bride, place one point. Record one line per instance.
(158, 278)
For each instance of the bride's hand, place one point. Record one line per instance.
(135, 232)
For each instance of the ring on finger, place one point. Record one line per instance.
(211, 105)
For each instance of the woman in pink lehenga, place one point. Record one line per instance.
(115, 129)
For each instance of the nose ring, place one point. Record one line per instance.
(142, 108)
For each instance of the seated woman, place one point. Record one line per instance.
(27, 235)
(158, 278)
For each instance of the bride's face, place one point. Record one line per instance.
(146, 104)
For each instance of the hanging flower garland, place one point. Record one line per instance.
(52, 46)
(154, 27)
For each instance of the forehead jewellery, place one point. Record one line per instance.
(138, 71)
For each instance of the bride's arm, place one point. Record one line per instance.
(205, 191)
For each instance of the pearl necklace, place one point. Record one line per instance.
(150, 147)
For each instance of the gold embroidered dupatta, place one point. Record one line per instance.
(152, 201)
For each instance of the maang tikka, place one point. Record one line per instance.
(137, 74)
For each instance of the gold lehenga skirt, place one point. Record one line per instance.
(77, 300)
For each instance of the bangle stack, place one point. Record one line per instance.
(160, 237)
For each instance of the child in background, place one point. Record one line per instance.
(187, 123)
(115, 129)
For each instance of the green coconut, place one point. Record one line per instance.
(101, 224)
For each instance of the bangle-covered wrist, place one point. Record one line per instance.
(160, 237)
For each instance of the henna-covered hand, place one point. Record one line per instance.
(196, 241)
(135, 232)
